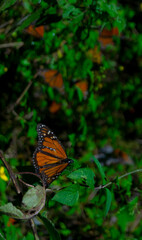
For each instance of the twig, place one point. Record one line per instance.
(34, 229)
(27, 184)
(23, 93)
(6, 23)
(14, 180)
(16, 115)
(96, 189)
(13, 44)
(2, 236)
(124, 175)
(21, 96)
(35, 174)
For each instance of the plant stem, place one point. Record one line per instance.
(12, 44)
(11, 173)
(124, 175)
(34, 229)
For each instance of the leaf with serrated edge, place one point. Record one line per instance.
(68, 196)
(11, 210)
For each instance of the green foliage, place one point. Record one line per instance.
(84, 174)
(6, 4)
(100, 169)
(33, 200)
(11, 210)
(33, 197)
(108, 201)
(106, 113)
(68, 196)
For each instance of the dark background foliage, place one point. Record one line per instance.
(99, 43)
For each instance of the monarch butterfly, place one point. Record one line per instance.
(53, 78)
(83, 86)
(36, 31)
(106, 36)
(49, 158)
(54, 107)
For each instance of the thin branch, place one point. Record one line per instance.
(2, 236)
(31, 173)
(20, 97)
(13, 44)
(124, 175)
(34, 229)
(15, 182)
(24, 183)
(23, 93)
(18, 116)
(6, 23)
(96, 189)
(12, 175)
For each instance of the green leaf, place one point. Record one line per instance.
(61, 3)
(72, 138)
(108, 201)
(28, 20)
(92, 103)
(100, 169)
(4, 138)
(80, 94)
(6, 4)
(2, 69)
(72, 1)
(68, 196)
(70, 10)
(33, 197)
(11, 210)
(84, 173)
(31, 131)
(50, 91)
(51, 228)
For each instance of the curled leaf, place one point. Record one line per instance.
(33, 197)
(11, 210)
(33, 201)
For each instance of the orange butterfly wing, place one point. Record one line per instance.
(106, 36)
(53, 78)
(83, 86)
(36, 31)
(54, 107)
(49, 157)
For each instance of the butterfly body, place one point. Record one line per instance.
(49, 157)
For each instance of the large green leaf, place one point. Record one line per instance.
(33, 197)
(11, 210)
(68, 196)
(83, 173)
